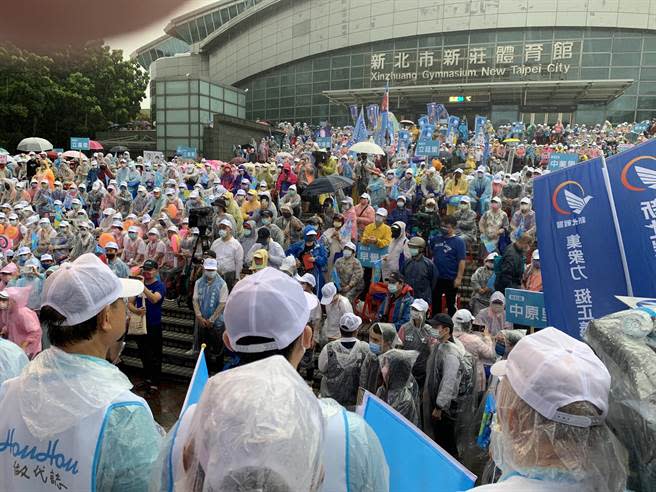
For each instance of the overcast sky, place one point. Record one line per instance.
(133, 40)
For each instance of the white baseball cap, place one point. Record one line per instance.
(420, 305)
(365, 195)
(46, 257)
(81, 289)
(550, 369)
(308, 278)
(465, 199)
(133, 229)
(491, 256)
(268, 304)
(525, 200)
(226, 222)
(23, 250)
(328, 292)
(496, 199)
(536, 254)
(153, 231)
(111, 245)
(240, 192)
(350, 322)
(382, 212)
(350, 246)
(463, 316)
(210, 264)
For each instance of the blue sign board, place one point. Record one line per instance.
(186, 152)
(368, 254)
(525, 307)
(579, 249)
(325, 142)
(561, 160)
(405, 446)
(427, 147)
(79, 143)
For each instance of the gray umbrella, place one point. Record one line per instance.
(34, 144)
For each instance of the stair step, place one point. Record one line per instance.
(170, 369)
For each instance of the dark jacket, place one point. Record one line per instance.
(512, 269)
(421, 274)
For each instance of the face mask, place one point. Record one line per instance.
(287, 215)
(291, 192)
(393, 288)
(396, 232)
(223, 233)
(210, 274)
(464, 206)
(489, 265)
(414, 251)
(374, 347)
(379, 220)
(430, 210)
(337, 224)
(500, 349)
(266, 221)
(21, 261)
(497, 308)
(348, 253)
(13, 222)
(259, 266)
(400, 204)
(132, 235)
(416, 316)
(494, 206)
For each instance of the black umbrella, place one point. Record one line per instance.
(118, 149)
(328, 184)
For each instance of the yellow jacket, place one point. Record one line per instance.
(248, 208)
(452, 188)
(382, 234)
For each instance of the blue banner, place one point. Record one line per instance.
(525, 307)
(186, 152)
(426, 147)
(360, 133)
(454, 122)
(404, 143)
(373, 111)
(431, 112)
(479, 124)
(415, 461)
(442, 113)
(579, 253)
(198, 381)
(368, 254)
(353, 109)
(561, 160)
(79, 143)
(632, 177)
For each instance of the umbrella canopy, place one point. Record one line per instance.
(237, 160)
(34, 144)
(52, 155)
(93, 145)
(328, 184)
(511, 140)
(118, 149)
(367, 148)
(3, 151)
(73, 154)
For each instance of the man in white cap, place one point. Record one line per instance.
(336, 306)
(364, 212)
(493, 224)
(114, 262)
(377, 235)
(482, 284)
(140, 203)
(229, 254)
(266, 315)
(84, 240)
(209, 299)
(550, 432)
(480, 191)
(523, 220)
(84, 405)
(155, 247)
(340, 362)
(416, 334)
(134, 248)
(532, 279)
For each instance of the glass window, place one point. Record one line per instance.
(159, 101)
(159, 87)
(323, 86)
(509, 35)
(320, 111)
(272, 103)
(193, 86)
(648, 88)
(273, 92)
(619, 116)
(216, 106)
(216, 17)
(340, 74)
(594, 73)
(241, 113)
(177, 130)
(204, 102)
(230, 109)
(321, 63)
(241, 99)
(625, 73)
(405, 44)
(339, 85)
(195, 143)
(595, 60)
(194, 116)
(303, 78)
(304, 66)
(305, 100)
(303, 112)
(216, 91)
(177, 116)
(647, 102)
(649, 43)
(304, 89)
(457, 38)
(341, 61)
(233, 11)
(357, 72)
(194, 130)
(260, 83)
(204, 88)
(202, 28)
(177, 102)
(430, 41)
(357, 83)
(160, 117)
(648, 74)
(273, 81)
(287, 78)
(357, 60)
(318, 99)
(161, 143)
(230, 96)
(649, 59)
(626, 59)
(287, 91)
(597, 45)
(273, 114)
(204, 117)
(287, 102)
(644, 115)
(623, 103)
(539, 34)
(287, 113)
(177, 87)
(479, 37)
(627, 44)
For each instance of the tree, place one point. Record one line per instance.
(73, 92)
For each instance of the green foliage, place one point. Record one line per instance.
(73, 92)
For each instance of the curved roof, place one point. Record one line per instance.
(195, 26)
(158, 48)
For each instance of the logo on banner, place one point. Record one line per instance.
(575, 203)
(647, 176)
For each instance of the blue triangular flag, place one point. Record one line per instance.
(197, 383)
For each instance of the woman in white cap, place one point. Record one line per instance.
(70, 405)
(349, 273)
(532, 279)
(364, 212)
(340, 362)
(482, 284)
(140, 202)
(549, 432)
(84, 240)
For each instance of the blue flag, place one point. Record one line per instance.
(360, 133)
(415, 461)
(353, 109)
(197, 383)
(632, 177)
(579, 250)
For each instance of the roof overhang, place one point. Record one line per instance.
(551, 93)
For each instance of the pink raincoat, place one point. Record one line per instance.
(19, 323)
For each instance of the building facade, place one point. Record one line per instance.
(307, 60)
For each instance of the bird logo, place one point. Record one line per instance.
(575, 203)
(647, 176)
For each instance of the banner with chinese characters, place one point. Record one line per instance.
(368, 255)
(560, 160)
(633, 181)
(427, 148)
(579, 252)
(495, 61)
(526, 308)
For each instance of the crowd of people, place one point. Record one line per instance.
(392, 282)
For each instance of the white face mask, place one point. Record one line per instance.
(348, 253)
(500, 448)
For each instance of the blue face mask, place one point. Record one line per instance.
(21, 261)
(374, 347)
(500, 349)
